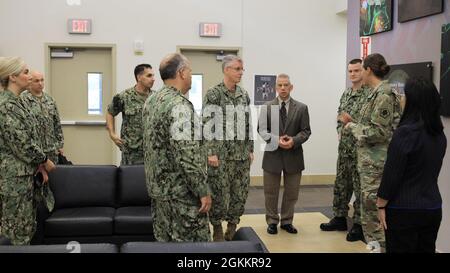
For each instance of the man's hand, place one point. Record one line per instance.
(213, 161)
(251, 156)
(116, 139)
(345, 118)
(286, 142)
(206, 204)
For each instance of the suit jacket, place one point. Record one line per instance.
(297, 126)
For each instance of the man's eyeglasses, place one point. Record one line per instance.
(238, 69)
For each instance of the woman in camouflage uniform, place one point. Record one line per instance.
(21, 156)
(380, 115)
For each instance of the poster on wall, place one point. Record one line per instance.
(375, 16)
(264, 88)
(413, 9)
(400, 73)
(445, 71)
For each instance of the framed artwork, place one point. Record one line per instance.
(400, 73)
(413, 9)
(445, 71)
(375, 17)
(264, 89)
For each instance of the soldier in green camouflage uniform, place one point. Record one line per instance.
(380, 115)
(230, 156)
(48, 124)
(175, 162)
(347, 177)
(130, 103)
(20, 155)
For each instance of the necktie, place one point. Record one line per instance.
(283, 114)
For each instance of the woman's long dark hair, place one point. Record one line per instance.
(423, 104)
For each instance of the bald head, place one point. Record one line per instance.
(37, 83)
(175, 70)
(171, 64)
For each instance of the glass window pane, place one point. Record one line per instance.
(95, 88)
(195, 94)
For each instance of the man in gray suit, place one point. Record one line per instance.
(285, 127)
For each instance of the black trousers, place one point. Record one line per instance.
(412, 231)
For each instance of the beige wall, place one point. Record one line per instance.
(303, 38)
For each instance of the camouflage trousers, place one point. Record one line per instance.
(347, 182)
(229, 185)
(132, 158)
(179, 221)
(17, 210)
(370, 169)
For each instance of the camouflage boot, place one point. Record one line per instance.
(218, 233)
(231, 230)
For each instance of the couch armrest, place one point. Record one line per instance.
(4, 241)
(248, 234)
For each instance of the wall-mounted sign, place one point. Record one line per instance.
(210, 29)
(366, 47)
(79, 26)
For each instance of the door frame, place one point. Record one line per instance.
(209, 48)
(112, 47)
(49, 46)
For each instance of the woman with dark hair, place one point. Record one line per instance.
(409, 202)
(373, 131)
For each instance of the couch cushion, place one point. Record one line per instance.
(133, 221)
(132, 188)
(196, 247)
(83, 186)
(80, 222)
(69, 248)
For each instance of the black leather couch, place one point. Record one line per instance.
(99, 204)
(244, 241)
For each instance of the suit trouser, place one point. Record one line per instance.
(290, 196)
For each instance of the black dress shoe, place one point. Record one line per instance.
(356, 234)
(272, 229)
(337, 223)
(289, 228)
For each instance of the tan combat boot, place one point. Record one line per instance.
(218, 233)
(231, 230)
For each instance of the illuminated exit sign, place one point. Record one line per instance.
(79, 26)
(210, 29)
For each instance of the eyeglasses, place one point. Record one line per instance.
(238, 69)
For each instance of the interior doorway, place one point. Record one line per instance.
(206, 69)
(81, 78)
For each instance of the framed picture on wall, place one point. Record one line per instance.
(413, 9)
(375, 16)
(264, 89)
(400, 73)
(445, 71)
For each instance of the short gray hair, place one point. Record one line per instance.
(229, 59)
(284, 76)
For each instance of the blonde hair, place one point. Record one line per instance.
(9, 66)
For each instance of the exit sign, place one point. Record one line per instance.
(210, 29)
(79, 26)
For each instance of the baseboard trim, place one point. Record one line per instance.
(306, 180)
